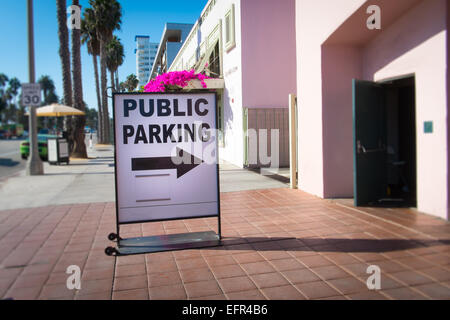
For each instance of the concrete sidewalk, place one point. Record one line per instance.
(88, 181)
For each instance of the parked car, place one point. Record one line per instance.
(42, 146)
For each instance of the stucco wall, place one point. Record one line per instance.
(415, 43)
(315, 21)
(268, 52)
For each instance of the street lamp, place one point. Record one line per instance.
(34, 164)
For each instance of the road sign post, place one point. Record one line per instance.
(34, 164)
(166, 167)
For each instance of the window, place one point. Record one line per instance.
(214, 62)
(230, 41)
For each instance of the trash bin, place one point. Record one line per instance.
(58, 150)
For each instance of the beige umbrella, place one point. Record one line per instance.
(57, 110)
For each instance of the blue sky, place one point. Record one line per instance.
(143, 17)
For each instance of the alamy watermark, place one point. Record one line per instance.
(374, 20)
(74, 280)
(74, 17)
(374, 281)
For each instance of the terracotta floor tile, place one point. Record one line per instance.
(236, 284)
(341, 258)
(130, 270)
(275, 255)
(56, 291)
(187, 254)
(315, 261)
(411, 278)
(283, 293)
(248, 257)
(435, 291)
(193, 275)
(228, 271)
(33, 280)
(221, 260)
(367, 295)
(348, 285)
(257, 267)
(300, 276)
(267, 280)
(316, 290)
(136, 294)
(97, 274)
(437, 273)
(414, 263)
(387, 282)
(95, 286)
(194, 263)
(172, 292)
(133, 259)
(254, 294)
(202, 288)
(164, 279)
(330, 272)
(404, 294)
(286, 264)
(28, 293)
(130, 283)
(94, 296)
(357, 269)
(167, 265)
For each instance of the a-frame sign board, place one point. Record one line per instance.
(166, 167)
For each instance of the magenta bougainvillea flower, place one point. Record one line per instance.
(174, 80)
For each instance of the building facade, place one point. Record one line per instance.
(145, 56)
(250, 44)
(172, 40)
(373, 103)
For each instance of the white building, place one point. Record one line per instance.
(145, 57)
(250, 45)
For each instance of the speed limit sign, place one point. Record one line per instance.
(31, 94)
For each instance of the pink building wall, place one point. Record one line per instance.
(315, 21)
(413, 40)
(268, 52)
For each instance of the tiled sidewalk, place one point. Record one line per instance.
(278, 244)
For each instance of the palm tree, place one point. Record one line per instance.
(64, 54)
(89, 37)
(131, 83)
(79, 147)
(47, 86)
(108, 15)
(114, 59)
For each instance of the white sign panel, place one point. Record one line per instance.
(31, 94)
(166, 156)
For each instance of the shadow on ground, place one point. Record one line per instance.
(4, 162)
(328, 244)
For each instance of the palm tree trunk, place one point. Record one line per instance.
(103, 81)
(64, 54)
(99, 101)
(113, 82)
(79, 147)
(117, 80)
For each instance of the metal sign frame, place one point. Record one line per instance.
(170, 242)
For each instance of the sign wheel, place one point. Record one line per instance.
(110, 251)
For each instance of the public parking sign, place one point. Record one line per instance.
(31, 94)
(166, 156)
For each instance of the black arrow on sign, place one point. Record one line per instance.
(164, 163)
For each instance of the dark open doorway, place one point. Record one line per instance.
(385, 143)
